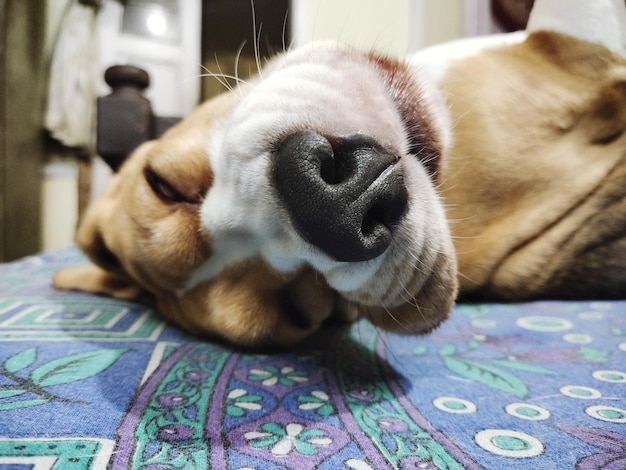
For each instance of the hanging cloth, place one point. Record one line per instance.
(74, 79)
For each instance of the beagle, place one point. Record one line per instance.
(341, 183)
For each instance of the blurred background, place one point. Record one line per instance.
(53, 55)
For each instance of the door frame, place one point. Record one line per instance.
(22, 144)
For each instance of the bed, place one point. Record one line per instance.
(91, 382)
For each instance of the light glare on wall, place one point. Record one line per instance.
(156, 22)
(153, 19)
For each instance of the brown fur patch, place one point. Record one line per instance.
(538, 132)
(424, 140)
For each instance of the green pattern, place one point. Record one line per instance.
(170, 433)
(68, 317)
(64, 370)
(63, 454)
(378, 413)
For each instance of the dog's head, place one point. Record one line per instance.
(307, 193)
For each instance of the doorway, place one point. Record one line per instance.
(228, 38)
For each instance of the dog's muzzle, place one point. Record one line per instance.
(344, 195)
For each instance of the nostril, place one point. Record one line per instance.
(337, 165)
(373, 219)
(379, 217)
(329, 171)
(388, 204)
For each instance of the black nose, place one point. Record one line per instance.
(344, 196)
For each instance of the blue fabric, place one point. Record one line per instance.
(92, 382)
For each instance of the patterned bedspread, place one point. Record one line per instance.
(89, 382)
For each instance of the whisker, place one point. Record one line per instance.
(226, 83)
(218, 76)
(418, 263)
(257, 52)
(238, 59)
(465, 276)
(258, 55)
(395, 319)
(211, 74)
(384, 339)
(411, 300)
(357, 331)
(284, 34)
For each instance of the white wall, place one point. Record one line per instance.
(367, 24)
(442, 20)
(395, 27)
(59, 204)
(59, 192)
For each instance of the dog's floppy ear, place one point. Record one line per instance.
(93, 279)
(601, 116)
(90, 239)
(605, 121)
(105, 275)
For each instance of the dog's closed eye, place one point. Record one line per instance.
(167, 191)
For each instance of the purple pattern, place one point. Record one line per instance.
(218, 449)
(613, 443)
(127, 428)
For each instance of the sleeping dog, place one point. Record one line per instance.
(342, 183)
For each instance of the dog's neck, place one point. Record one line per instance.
(599, 21)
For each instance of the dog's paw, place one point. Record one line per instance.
(91, 278)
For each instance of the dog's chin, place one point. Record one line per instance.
(412, 292)
(423, 303)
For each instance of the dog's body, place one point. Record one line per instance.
(534, 165)
(317, 189)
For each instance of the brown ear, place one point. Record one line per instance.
(91, 278)
(605, 121)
